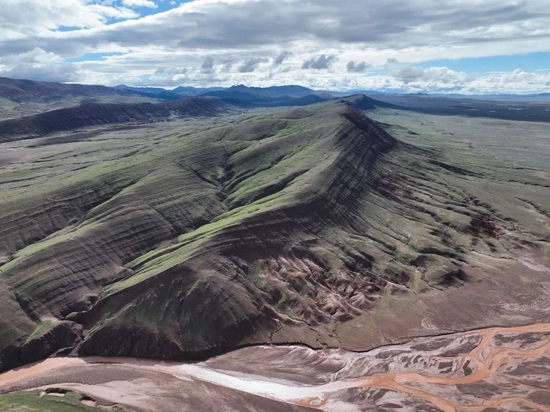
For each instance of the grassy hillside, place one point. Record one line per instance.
(26, 97)
(315, 225)
(101, 115)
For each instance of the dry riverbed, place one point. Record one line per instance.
(495, 369)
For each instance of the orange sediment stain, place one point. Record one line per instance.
(312, 402)
(485, 361)
(488, 359)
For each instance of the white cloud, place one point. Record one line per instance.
(273, 41)
(26, 19)
(34, 56)
(397, 26)
(140, 3)
(517, 81)
(431, 77)
(357, 67)
(281, 57)
(322, 62)
(207, 65)
(67, 72)
(250, 65)
(445, 80)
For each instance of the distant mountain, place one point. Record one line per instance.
(194, 91)
(147, 90)
(24, 97)
(21, 91)
(245, 99)
(99, 114)
(32, 109)
(165, 94)
(178, 92)
(274, 91)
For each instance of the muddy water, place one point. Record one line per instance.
(496, 351)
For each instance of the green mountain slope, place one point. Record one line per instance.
(27, 97)
(312, 225)
(97, 115)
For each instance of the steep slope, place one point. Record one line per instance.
(313, 225)
(107, 114)
(272, 214)
(365, 103)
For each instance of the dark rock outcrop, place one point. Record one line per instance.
(62, 336)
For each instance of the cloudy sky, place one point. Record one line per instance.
(437, 46)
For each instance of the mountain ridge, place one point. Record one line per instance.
(349, 126)
(299, 226)
(102, 114)
(206, 105)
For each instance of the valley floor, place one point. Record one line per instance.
(496, 369)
